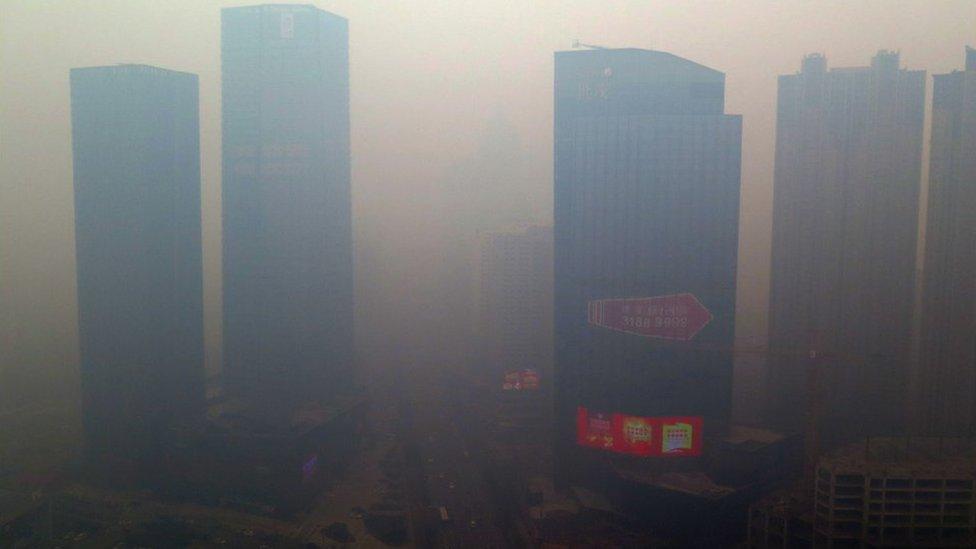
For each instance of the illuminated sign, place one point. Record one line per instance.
(521, 380)
(677, 316)
(594, 429)
(637, 435)
(677, 438)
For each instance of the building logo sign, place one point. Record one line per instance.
(595, 86)
(287, 25)
(637, 435)
(678, 316)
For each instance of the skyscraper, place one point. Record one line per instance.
(136, 144)
(515, 337)
(515, 301)
(945, 378)
(647, 173)
(286, 203)
(845, 218)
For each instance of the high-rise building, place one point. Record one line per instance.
(136, 143)
(515, 301)
(944, 385)
(515, 339)
(845, 218)
(287, 240)
(647, 174)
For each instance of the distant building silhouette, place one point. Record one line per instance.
(845, 220)
(136, 144)
(515, 301)
(287, 240)
(515, 336)
(945, 381)
(647, 175)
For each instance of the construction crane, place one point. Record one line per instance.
(816, 358)
(577, 44)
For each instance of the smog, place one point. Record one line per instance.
(487, 274)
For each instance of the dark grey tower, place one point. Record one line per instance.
(945, 380)
(135, 138)
(845, 219)
(647, 174)
(286, 204)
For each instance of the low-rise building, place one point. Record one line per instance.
(891, 492)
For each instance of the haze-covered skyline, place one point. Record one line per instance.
(434, 86)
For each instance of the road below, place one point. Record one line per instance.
(445, 437)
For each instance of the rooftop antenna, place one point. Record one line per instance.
(577, 44)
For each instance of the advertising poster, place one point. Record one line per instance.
(677, 317)
(681, 436)
(639, 436)
(594, 429)
(636, 435)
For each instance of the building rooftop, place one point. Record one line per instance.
(741, 435)
(658, 60)
(882, 60)
(132, 69)
(281, 8)
(922, 456)
(694, 483)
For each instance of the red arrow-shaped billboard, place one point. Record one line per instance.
(677, 316)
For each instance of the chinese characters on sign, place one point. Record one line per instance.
(641, 436)
(678, 316)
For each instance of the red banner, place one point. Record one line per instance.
(636, 435)
(594, 429)
(641, 436)
(521, 380)
(678, 316)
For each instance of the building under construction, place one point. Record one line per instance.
(903, 492)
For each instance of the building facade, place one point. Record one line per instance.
(287, 240)
(514, 335)
(896, 493)
(136, 148)
(945, 383)
(845, 222)
(515, 301)
(647, 175)
(883, 492)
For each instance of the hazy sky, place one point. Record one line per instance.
(431, 81)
